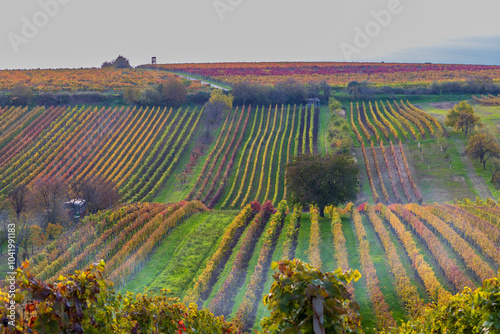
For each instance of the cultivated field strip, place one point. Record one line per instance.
(385, 122)
(227, 161)
(490, 100)
(420, 253)
(247, 161)
(388, 227)
(135, 148)
(394, 169)
(29, 134)
(13, 128)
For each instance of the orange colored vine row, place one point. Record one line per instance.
(369, 123)
(381, 308)
(242, 157)
(434, 289)
(391, 179)
(370, 178)
(404, 288)
(339, 242)
(354, 127)
(243, 317)
(407, 166)
(145, 243)
(361, 125)
(225, 248)
(459, 245)
(450, 268)
(314, 239)
(379, 173)
(468, 231)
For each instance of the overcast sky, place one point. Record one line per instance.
(84, 33)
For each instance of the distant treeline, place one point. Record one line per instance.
(79, 98)
(291, 92)
(287, 92)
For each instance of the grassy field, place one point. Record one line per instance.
(173, 191)
(490, 117)
(180, 256)
(441, 175)
(324, 117)
(433, 175)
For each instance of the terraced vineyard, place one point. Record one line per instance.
(490, 100)
(248, 158)
(385, 121)
(216, 247)
(136, 148)
(408, 255)
(387, 127)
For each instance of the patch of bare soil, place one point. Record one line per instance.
(443, 105)
(393, 189)
(406, 182)
(475, 179)
(362, 196)
(396, 186)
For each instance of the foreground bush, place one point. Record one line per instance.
(302, 300)
(305, 300)
(468, 312)
(84, 302)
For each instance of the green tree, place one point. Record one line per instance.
(21, 94)
(84, 302)
(132, 95)
(334, 104)
(174, 92)
(47, 197)
(53, 231)
(305, 300)
(358, 88)
(19, 199)
(326, 89)
(338, 135)
(462, 117)
(482, 146)
(98, 192)
(119, 62)
(218, 96)
(322, 180)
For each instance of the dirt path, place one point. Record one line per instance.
(396, 185)
(375, 176)
(362, 196)
(326, 144)
(204, 82)
(316, 129)
(392, 190)
(404, 174)
(477, 181)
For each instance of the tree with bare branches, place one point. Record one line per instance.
(98, 192)
(48, 197)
